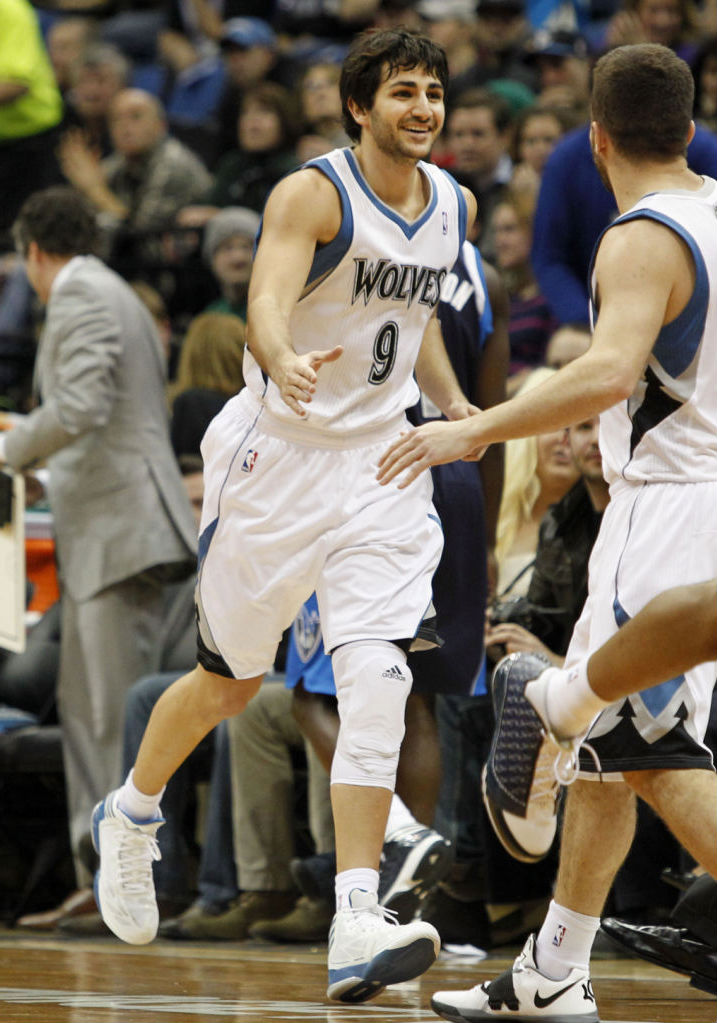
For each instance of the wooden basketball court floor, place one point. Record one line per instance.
(50, 979)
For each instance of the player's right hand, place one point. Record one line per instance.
(296, 376)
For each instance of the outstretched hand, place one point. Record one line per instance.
(297, 375)
(427, 445)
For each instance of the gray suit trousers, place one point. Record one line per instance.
(108, 642)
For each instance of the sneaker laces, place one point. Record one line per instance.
(137, 852)
(567, 763)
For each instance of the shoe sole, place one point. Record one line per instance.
(390, 967)
(501, 829)
(406, 894)
(454, 1015)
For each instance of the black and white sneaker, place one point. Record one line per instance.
(522, 994)
(412, 864)
(521, 790)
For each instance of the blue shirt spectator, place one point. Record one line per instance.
(573, 209)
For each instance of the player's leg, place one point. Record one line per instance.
(374, 589)
(551, 977)
(686, 800)
(125, 823)
(673, 632)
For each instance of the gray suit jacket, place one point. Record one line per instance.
(115, 490)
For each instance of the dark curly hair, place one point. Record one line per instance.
(363, 68)
(59, 220)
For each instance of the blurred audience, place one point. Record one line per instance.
(228, 247)
(209, 372)
(148, 177)
(30, 111)
(531, 321)
(98, 75)
(478, 138)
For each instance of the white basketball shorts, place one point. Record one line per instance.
(288, 512)
(653, 536)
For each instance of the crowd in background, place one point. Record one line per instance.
(175, 120)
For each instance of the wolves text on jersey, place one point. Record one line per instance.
(401, 282)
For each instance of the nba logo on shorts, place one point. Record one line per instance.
(558, 936)
(445, 222)
(249, 460)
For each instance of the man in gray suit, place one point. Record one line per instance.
(123, 522)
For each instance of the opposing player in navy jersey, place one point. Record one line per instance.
(348, 269)
(652, 372)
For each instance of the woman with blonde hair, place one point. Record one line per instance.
(538, 472)
(209, 371)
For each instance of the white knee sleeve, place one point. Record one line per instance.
(372, 684)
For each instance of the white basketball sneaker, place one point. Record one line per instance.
(522, 994)
(368, 949)
(124, 886)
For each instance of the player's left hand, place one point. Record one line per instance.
(416, 450)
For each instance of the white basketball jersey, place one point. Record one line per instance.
(667, 430)
(371, 289)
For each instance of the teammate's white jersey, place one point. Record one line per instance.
(372, 289)
(667, 430)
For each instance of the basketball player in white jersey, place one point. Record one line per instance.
(652, 373)
(346, 279)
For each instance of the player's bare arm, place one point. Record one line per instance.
(303, 210)
(644, 280)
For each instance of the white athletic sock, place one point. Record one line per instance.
(564, 941)
(360, 877)
(136, 804)
(400, 818)
(570, 703)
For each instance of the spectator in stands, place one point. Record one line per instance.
(538, 472)
(227, 248)
(148, 178)
(97, 77)
(537, 130)
(250, 55)
(561, 59)
(321, 103)
(67, 39)
(451, 24)
(558, 584)
(704, 70)
(668, 22)
(574, 207)
(531, 322)
(502, 33)
(567, 343)
(266, 133)
(209, 372)
(30, 111)
(478, 139)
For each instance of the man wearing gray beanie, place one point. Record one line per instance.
(228, 247)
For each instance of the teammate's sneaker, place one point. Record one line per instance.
(522, 994)
(124, 886)
(368, 950)
(520, 780)
(412, 864)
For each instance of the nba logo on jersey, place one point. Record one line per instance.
(249, 460)
(558, 936)
(444, 217)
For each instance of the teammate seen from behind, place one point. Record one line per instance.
(650, 372)
(354, 245)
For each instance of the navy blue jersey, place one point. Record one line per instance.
(460, 582)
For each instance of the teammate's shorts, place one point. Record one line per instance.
(284, 516)
(653, 536)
